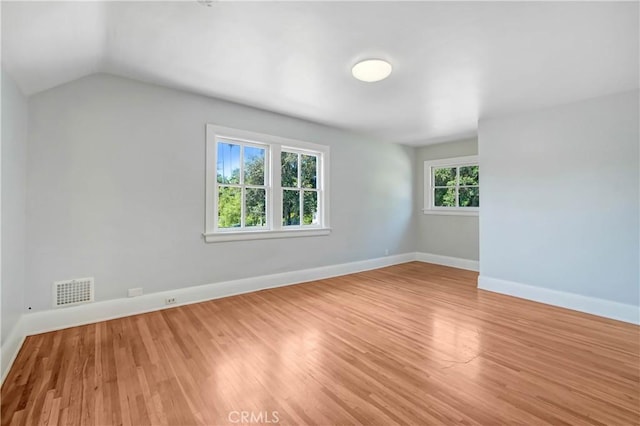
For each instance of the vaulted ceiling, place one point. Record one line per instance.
(453, 61)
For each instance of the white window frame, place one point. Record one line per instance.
(274, 146)
(302, 189)
(429, 208)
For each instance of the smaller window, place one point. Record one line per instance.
(452, 186)
(299, 189)
(242, 185)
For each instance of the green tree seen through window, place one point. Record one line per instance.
(456, 186)
(299, 190)
(232, 187)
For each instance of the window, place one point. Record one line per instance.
(299, 188)
(452, 186)
(262, 186)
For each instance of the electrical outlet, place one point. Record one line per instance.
(133, 292)
(169, 300)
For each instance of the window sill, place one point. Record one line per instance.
(451, 212)
(220, 237)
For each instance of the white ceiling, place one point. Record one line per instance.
(453, 61)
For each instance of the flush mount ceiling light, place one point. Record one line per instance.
(371, 70)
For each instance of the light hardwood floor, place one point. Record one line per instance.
(409, 344)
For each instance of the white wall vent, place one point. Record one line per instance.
(72, 292)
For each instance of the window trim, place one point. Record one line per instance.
(429, 165)
(274, 146)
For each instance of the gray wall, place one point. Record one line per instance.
(14, 178)
(445, 235)
(116, 191)
(560, 206)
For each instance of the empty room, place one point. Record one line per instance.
(320, 213)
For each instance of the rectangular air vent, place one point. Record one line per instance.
(72, 292)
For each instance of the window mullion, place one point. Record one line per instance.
(319, 191)
(299, 170)
(241, 159)
(242, 188)
(267, 187)
(300, 203)
(432, 185)
(242, 209)
(275, 219)
(457, 186)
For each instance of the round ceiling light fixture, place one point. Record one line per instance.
(372, 70)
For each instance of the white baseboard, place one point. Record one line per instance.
(454, 262)
(57, 319)
(11, 347)
(576, 302)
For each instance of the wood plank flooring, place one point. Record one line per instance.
(409, 344)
